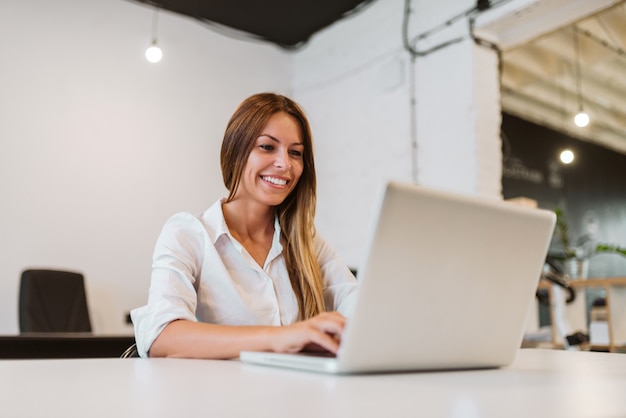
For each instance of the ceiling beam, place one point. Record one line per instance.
(519, 21)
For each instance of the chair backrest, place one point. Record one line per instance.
(53, 301)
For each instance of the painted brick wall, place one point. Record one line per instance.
(354, 81)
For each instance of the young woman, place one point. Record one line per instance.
(249, 273)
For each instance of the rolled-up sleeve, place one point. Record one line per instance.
(177, 260)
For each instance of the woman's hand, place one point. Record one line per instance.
(322, 331)
(189, 339)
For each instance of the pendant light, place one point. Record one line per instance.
(567, 156)
(154, 53)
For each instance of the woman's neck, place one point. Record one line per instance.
(249, 221)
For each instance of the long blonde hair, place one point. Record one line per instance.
(297, 212)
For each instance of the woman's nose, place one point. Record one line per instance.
(282, 159)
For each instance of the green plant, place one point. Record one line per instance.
(562, 229)
(606, 248)
(585, 246)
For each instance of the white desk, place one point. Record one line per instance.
(540, 383)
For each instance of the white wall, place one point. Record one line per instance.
(353, 80)
(98, 147)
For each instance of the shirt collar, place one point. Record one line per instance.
(216, 223)
(213, 219)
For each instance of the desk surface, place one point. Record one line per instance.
(546, 383)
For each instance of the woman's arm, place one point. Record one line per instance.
(340, 285)
(184, 338)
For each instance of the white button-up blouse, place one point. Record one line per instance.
(200, 272)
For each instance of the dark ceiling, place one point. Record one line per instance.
(287, 23)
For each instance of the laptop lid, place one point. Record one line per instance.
(446, 283)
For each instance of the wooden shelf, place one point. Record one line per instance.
(576, 313)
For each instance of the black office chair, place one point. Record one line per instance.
(53, 301)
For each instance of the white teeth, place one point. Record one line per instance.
(275, 181)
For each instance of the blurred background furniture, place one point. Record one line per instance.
(42, 345)
(610, 327)
(53, 301)
(54, 321)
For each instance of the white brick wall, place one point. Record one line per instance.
(354, 81)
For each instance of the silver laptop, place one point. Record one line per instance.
(447, 283)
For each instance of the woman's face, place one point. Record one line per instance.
(275, 163)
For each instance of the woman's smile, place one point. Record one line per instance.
(276, 181)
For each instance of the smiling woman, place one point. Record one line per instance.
(250, 273)
(274, 165)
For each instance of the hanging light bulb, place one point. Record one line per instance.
(567, 156)
(581, 119)
(154, 53)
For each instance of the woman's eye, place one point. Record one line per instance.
(296, 153)
(266, 147)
